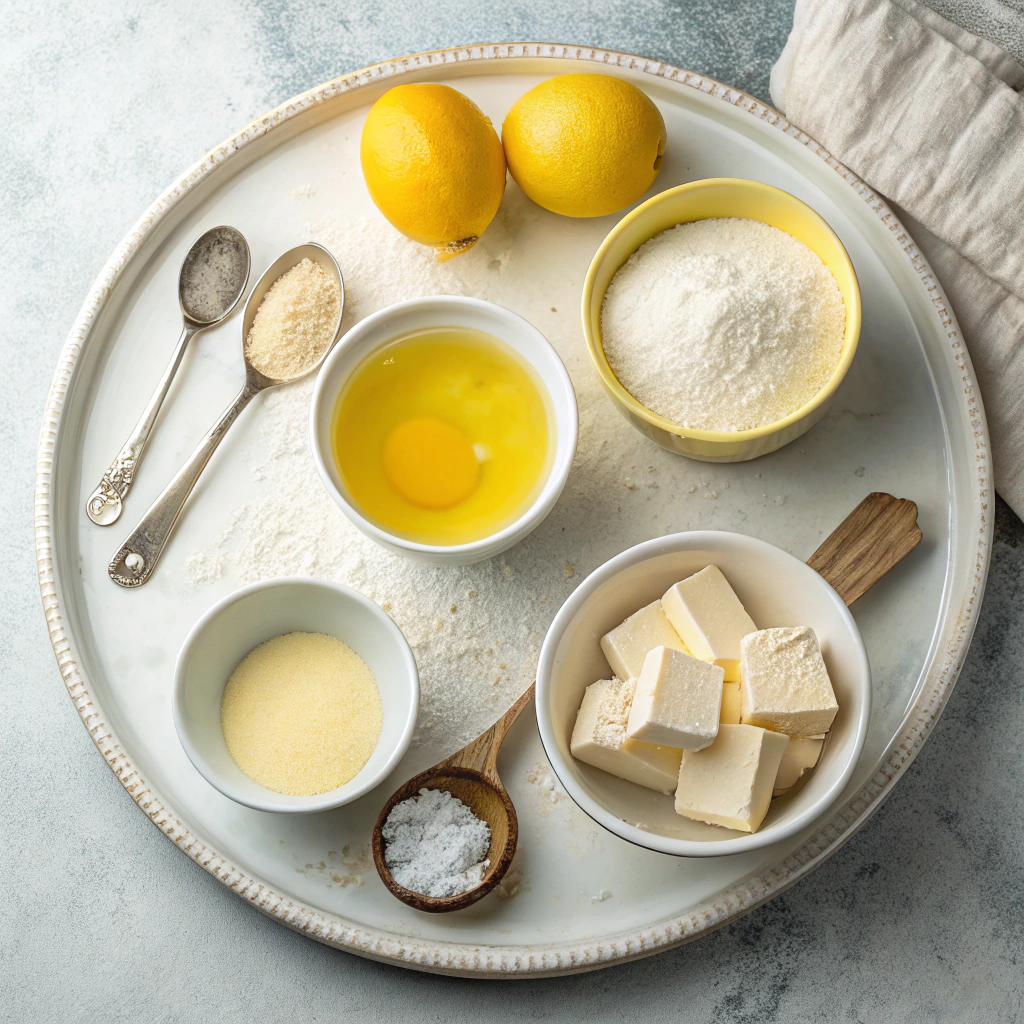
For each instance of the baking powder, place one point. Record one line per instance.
(435, 845)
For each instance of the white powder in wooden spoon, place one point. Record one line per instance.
(435, 845)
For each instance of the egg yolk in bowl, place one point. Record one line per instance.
(444, 436)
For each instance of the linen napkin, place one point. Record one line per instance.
(932, 117)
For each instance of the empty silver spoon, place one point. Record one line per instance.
(212, 279)
(137, 557)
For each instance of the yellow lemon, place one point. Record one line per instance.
(434, 165)
(584, 145)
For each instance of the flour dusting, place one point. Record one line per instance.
(723, 324)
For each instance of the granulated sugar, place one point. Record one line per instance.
(301, 714)
(723, 324)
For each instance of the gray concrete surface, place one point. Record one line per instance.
(919, 918)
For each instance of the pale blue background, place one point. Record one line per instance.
(919, 918)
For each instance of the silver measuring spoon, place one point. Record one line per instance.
(212, 279)
(137, 557)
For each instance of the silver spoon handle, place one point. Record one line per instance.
(106, 501)
(137, 557)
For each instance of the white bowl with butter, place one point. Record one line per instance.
(242, 621)
(776, 589)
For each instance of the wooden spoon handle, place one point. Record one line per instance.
(482, 753)
(867, 544)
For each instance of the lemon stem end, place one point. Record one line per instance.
(443, 253)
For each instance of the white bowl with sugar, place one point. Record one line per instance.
(238, 624)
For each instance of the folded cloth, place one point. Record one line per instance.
(931, 117)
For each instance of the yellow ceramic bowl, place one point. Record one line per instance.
(700, 200)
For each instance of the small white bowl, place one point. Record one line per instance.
(777, 590)
(259, 612)
(405, 318)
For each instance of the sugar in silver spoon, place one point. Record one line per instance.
(135, 560)
(212, 279)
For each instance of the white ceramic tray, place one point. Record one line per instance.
(908, 420)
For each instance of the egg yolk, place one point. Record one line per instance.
(430, 463)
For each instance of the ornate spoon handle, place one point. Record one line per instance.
(106, 501)
(137, 557)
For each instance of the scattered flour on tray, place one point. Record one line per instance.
(454, 618)
(476, 630)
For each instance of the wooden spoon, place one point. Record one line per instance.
(471, 774)
(879, 532)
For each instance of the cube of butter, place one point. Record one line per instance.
(730, 782)
(678, 701)
(730, 704)
(627, 644)
(599, 739)
(707, 614)
(801, 753)
(785, 683)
